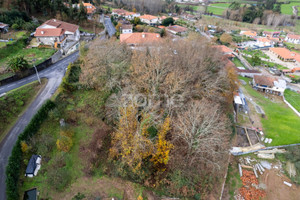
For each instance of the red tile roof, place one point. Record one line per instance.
(249, 33)
(148, 17)
(63, 25)
(223, 49)
(48, 32)
(293, 36)
(285, 53)
(140, 38)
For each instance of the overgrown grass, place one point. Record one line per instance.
(237, 62)
(233, 180)
(14, 103)
(281, 123)
(216, 11)
(293, 98)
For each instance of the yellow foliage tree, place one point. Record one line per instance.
(161, 156)
(64, 143)
(24, 147)
(131, 142)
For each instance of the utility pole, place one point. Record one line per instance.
(36, 71)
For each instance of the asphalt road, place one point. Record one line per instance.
(54, 74)
(109, 26)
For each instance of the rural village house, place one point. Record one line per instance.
(175, 29)
(295, 39)
(150, 19)
(139, 39)
(269, 84)
(56, 33)
(126, 28)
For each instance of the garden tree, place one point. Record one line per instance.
(118, 27)
(226, 38)
(82, 15)
(136, 21)
(168, 21)
(18, 64)
(255, 59)
(163, 32)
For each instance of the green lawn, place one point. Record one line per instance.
(237, 62)
(287, 8)
(216, 11)
(14, 103)
(253, 52)
(293, 98)
(281, 123)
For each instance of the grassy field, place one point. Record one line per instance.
(287, 8)
(215, 10)
(14, 103)
(233, 180)
(237, 62)
(293, 98)
(281, 123)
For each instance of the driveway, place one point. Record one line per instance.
(54, 74)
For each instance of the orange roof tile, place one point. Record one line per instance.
(148, 17)
(140, 38)
(249, 33)
(60, 24)
(293, 36)
(263, 40)
(285, 53)
(48, 32)
(223, 48)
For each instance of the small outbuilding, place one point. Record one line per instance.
(33, 166)
(4, 27)
(31, 194)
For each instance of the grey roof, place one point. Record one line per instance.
(31, 164)
(30, 194)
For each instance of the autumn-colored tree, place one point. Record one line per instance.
(161, 156)
(226, 38)
(134, 10)
(64, 143)
(130, 142)
(118, 26)
(24, 147)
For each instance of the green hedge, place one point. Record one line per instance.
(13, 169)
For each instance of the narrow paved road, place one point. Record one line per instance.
(54, 74)
(109, 26)
(47, 73)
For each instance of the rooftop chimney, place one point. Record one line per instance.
(143, 35)
(42, 32)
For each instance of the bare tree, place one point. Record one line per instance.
(200, 132)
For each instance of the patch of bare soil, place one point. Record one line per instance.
(275, 189)
(102, 188)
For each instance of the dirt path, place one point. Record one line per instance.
(275, 188)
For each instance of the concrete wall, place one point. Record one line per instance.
(56, 56)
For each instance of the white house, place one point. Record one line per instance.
(269, 84)
(131, 15)
(292, 38)
(126, 28)
(264, 43)
(56, 33)
(150, 19)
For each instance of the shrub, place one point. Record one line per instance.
(15, 26)
(59, 178)
(64, 143)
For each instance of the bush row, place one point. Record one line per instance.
(13, 169)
